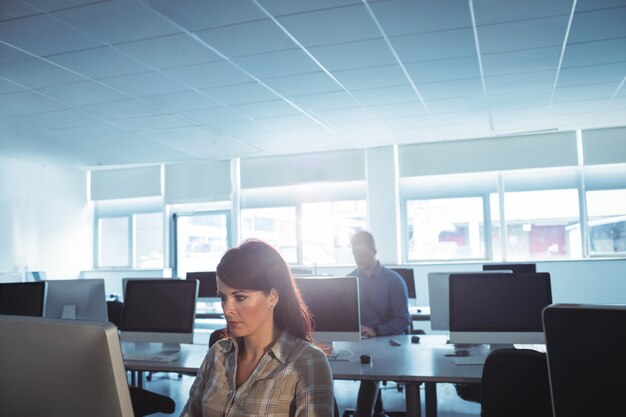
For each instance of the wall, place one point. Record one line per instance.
(45, 223)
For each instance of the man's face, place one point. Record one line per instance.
(364, 256)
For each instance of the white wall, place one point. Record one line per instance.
(45, 223)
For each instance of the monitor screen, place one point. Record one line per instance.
(76, 299)
(61, 368)
(498, 308)
(526, 268)
(585, 346)
(409, 278)
(207, 281)
(23, 298)
(159, 310)
(438, 296)
(334, 305)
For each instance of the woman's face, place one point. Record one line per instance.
(247, 312)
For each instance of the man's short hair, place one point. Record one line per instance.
(363, 237)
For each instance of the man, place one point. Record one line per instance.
(384, 306)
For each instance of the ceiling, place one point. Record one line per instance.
(147, 81)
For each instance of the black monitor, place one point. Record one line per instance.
(525, 268)
(23, 298)
(76, 299)
(334, 305)
(586, 362)
(208, 284)
(409, 278)
(66, 368)
(498, 308)
(159, 311)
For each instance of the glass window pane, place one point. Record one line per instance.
(275, 225)
(450, 228)
(201, 241)
(606, 210)
(541, 224)
(148, 251)
(327, 228)
(113, 242)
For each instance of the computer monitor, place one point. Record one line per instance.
(586, 365)
(23, 298)
(159, 311)
(76, 299)
(64, 368)
(526, 268)
(439, 297)
(208, 285)
(498, 308)
(334, 305)
(409, 278)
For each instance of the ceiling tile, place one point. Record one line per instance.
(542, 59)
(212, 74)
(277, 64)
(493, 12)
(181, 101)
(309, 83)
(281, 7)
(116, 21)
(585, 25)
(9, 87)
(325, 101)
(11, 54)
(521, 35)
(343, 24)
(443, 69)
(592, 73)
(98, 63)
(170, 51)
(90, 132)
(412, 108)
(373, 77)
(354, 55)
(471, 87)
(36, 73)
(120, 109)
(598, 52)
(240, 93)
(260, 36)
(13, 9)
(386, 95)
(435, 45)
(213, 115)
(27, 102)
(510, 83)
(82, 93)
(201, 14)
(57, 119)
(51, 5)
(144, 84)
(401, 17)
(267, 109)
(159, 121)
(586, 92)
(26, 33)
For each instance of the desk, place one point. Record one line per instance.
(408, 363)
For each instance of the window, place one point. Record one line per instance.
(539, 224)
(445, 228)
(275, 225)
(201, 240)
(327, 228)
(606, 210)
(130, 241)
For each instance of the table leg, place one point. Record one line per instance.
(413, 402)
(431, 399)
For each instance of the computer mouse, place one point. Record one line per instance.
(415, 339)
(366, 358)
(461, 353)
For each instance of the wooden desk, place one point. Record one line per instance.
(409, 363)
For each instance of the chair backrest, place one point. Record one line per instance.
(217, 334)
(114, 311)
(515, 384)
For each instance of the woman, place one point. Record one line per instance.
(267, 365)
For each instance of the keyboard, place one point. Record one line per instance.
(469, 360)
(341, 355)
(152, 357)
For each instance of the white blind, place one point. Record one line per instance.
(197, 182)
(604, 146)
(489, 154)
(126, 183)
(285, 170)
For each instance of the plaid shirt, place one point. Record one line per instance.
(293, 378)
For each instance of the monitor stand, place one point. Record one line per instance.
(156, 348)
(69, 312)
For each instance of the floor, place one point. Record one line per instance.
(448, 403)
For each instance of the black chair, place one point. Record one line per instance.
(515, 384)
(144, 402)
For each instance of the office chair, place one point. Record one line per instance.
(144, 402)
(515, 384)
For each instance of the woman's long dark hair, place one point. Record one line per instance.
(255, 265)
